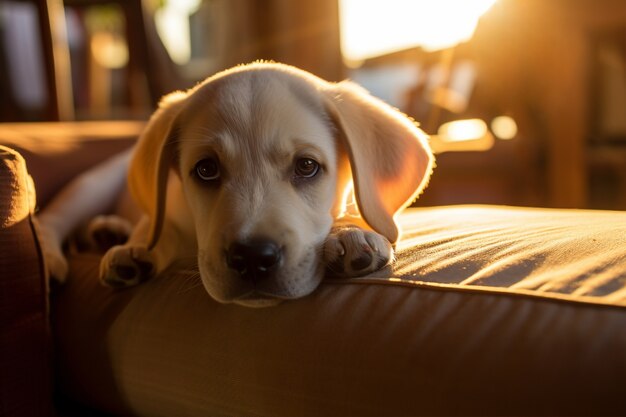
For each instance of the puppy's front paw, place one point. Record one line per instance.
(124, 266)
(350, 251)
(105, 231)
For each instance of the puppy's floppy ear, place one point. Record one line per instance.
(151, 162)
(390, 159)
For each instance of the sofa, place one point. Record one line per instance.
(487, 310)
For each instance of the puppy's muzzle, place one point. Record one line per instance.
(254, 260)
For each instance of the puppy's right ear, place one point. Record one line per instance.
(151, 162)
(390, 159)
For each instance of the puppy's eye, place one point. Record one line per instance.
(306, 168)
(207, 169)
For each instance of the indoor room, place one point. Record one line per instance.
(424, 202)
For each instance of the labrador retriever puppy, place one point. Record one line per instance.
(269, 176)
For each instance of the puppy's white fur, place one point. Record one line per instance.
(257, 121)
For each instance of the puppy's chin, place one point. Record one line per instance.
(256, 298)
(256, 301)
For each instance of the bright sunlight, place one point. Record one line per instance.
(172, 22)
(375, 27)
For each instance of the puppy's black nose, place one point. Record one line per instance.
(255, 259)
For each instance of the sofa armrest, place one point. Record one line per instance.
(25, 379)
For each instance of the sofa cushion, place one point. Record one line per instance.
(568, 254)
(487, 310)
(25, 388)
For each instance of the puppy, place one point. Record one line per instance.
(269, 176)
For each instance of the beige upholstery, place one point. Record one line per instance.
(570, 254)
(543, 333)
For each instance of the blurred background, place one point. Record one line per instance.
(525, 99)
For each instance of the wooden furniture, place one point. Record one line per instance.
(56, 72)
(537, 60)
(148, 76)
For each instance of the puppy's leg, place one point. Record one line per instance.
(105, 231)
(87, 195)
(352, 251)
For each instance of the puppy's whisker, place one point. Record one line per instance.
(189, 280)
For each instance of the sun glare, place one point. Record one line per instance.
(463, 130)
(375, 27)
(462, 135)
(172, 22)
(504, 127)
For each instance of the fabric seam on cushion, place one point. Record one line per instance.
(477, 289)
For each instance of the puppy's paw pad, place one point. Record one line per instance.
(124, 266)
(350, 251)
(104, 232)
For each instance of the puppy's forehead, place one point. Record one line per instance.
(259, 107)
(255, 90)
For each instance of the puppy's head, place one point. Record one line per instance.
(263, 153)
